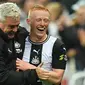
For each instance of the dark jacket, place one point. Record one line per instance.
(9, 51)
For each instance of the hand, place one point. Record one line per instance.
(71, 52)
(42, 73)
(22, 65)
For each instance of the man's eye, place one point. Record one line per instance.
(13, 26)
(38, 20)
(46, 20)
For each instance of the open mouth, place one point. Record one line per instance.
(41, 29)
(11, 36)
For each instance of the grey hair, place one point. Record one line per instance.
(9, 10)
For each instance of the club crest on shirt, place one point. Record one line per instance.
(18, 50)
(17, 45)
(35, 60)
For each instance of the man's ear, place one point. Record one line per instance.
(2, 26)
(28, 21)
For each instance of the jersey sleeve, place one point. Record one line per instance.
(59, 57)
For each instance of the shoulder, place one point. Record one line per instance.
(58, 43)
(22, 32)
(3, 44)
(2, 41)
(59, 47)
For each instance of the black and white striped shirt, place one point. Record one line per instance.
(51, 52)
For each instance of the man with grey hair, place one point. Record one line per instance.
(9, 18)
(12, 40)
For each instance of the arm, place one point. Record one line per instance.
(58, 65)
(22, 65)
(10, 77)
(59, 60)
(55, 76)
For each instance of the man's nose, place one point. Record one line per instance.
(15, 29)
(42, 23)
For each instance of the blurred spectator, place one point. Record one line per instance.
(73, 37)
(25, 6)
(14, 1)
(2, 1)
(56, 10)
(42, 2)
(68, 4)
(78, 4)
(80, 16)
(80, 25)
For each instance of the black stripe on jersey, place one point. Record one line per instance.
(58, 55)
(36, 54)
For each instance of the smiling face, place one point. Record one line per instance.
(39, 22)
(11, 26)
(80, 14)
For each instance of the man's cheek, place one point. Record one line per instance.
(6, 30)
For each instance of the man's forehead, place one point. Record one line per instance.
(42, 17)
(12, 19)
(38, 13)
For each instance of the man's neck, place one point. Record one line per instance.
(38, 39)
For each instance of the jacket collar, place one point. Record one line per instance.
(3, 35)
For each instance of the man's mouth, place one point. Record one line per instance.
(41, 29)
(11, 33)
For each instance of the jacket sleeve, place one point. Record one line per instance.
(11, 77)
(3, 71)
(7, 76)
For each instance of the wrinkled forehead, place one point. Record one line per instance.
(12, 20)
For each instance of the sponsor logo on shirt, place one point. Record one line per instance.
(37, 52)
(63, 57)
(9, 51)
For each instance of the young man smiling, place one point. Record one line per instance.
(42, 48)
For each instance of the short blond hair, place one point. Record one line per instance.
(37, 7)
(9, 10)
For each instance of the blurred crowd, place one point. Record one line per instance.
(67, 23)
